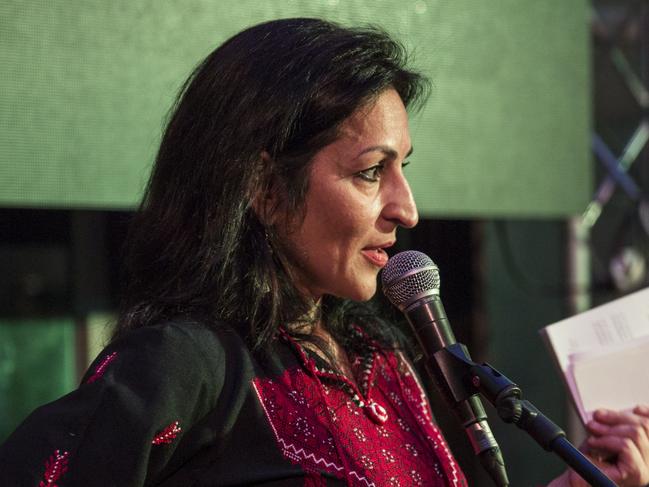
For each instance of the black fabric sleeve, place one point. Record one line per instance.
(124, 424)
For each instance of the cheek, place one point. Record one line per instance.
(347, 220)
(340, 220)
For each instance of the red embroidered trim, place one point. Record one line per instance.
(321, 429)
(167, 435)
(101, 368)
(55, 467)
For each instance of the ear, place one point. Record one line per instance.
(265, 199)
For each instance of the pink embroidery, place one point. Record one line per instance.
(101, 368)
(167, 435)
(55, 467)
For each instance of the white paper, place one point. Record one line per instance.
(603, 353)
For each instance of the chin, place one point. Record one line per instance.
(361, 293)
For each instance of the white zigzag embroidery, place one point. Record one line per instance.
(289, 448)
(307, 456)
(310, 456)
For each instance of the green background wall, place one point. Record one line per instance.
(86, 85)
(37, 364)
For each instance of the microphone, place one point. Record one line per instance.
(411, 283)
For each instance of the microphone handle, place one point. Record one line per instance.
(428, 320)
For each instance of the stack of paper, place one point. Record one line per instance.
(603, 354)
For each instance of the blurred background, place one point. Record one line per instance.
(529, 167)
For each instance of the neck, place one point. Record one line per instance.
(333, 351)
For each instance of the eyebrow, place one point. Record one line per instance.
(389, 151)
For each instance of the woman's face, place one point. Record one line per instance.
(357, 197)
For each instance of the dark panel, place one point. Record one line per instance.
(524, 291)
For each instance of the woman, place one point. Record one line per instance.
(245, 353)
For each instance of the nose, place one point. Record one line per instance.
(400, 207)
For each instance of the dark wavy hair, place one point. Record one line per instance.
(249, 120)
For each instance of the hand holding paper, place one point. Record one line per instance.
(619, 443)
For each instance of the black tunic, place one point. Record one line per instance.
(181, 404)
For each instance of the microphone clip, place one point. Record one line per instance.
(464, 378)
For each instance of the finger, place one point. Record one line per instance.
(635, 426)
(642, 410)
(604, 418)
(642, 413)
(624, 434)
(625, 465)
(608, 416)
(625, 448)
(596, 428)
(625, 476)
(636, 432)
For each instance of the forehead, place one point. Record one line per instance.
(384, 120)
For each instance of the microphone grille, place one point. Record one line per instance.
(408, 276)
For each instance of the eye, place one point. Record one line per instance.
(371, 174)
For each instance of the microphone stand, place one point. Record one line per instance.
(466, 378)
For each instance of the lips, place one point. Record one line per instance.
(377, 255)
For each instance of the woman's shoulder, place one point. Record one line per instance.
(170, 347)
(138, 400)
(180, 332)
